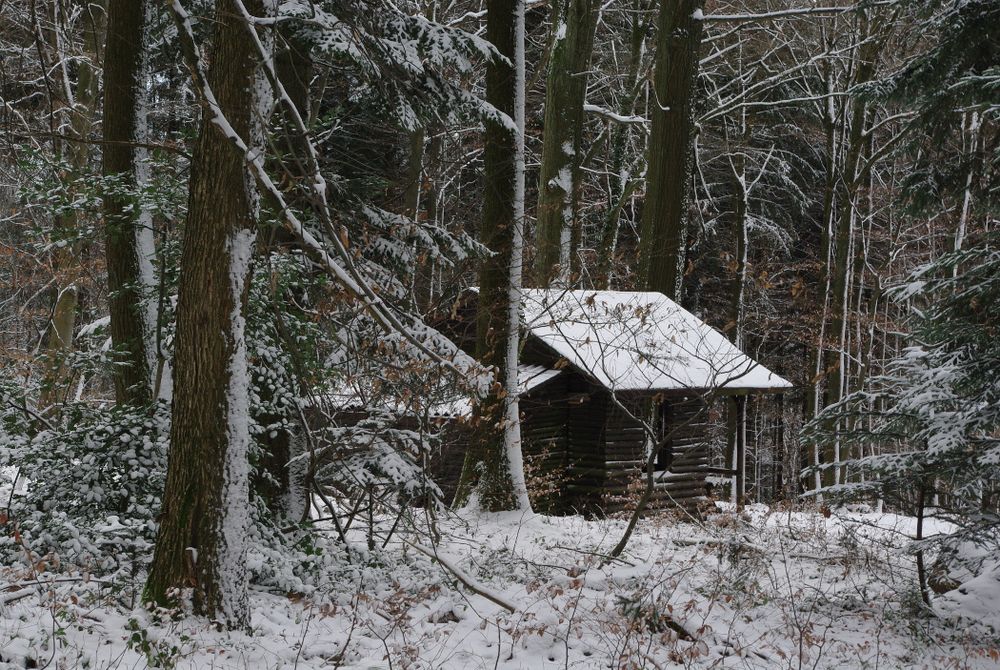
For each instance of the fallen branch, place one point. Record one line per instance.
(602, 556)
(728, 544)
(8, 598)
(28, 587)
(836, 558)
(467, 580)
(56, 580)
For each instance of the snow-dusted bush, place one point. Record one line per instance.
(95, 472)
(94, 482)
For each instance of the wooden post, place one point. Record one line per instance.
(741, 449)
(782, 483)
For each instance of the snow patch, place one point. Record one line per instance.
(236, 469)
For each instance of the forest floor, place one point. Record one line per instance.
(766, 589)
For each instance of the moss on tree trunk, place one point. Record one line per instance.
(486, 470)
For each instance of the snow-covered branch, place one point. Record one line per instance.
(612, 116)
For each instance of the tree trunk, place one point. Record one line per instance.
(621, 184)
(740, 488)
(925, 595)
(970, 142)
(66, 259)
(734, 327)
(201, 542)
(423, 271)
(741, 232)
(486, 478)
(424, 295)
(128, 231)
(814, 393)
(841, 271)
(558, 181)
(668, 167)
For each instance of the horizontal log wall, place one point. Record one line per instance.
(586, 463)
(585, 453)
(625, 453)
(545, 438)
(683, 484)
(446, 459)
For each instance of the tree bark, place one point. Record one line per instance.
(486, 473)
(201, 541)
(128, 232)
(741, 232)
(558, 181)
(843, 241)
(668, 167)
(740, 488)
(66, 259)
(734, 328)
(814, 394)
(622, 184)
(424, 294)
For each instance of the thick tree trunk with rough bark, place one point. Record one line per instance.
(622, 184)
(201, 541)
(128, 233)
(668, 168)
(558, 181)
(486, 471)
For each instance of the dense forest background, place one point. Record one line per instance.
(228, 211)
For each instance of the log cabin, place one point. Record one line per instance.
(606, 377)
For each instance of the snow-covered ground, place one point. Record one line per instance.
(764, 590)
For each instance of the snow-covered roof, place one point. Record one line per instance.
(640, 341)
(530, 376)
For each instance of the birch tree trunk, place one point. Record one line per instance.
(492, 475)
(128, 231)
(558, 181)
(814, 395)
(668, 167)
(201, 542)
